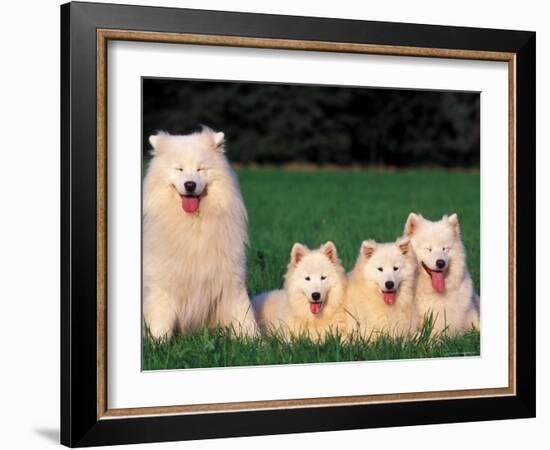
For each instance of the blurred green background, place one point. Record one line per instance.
(277, 123)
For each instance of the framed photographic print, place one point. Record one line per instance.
(276, 224)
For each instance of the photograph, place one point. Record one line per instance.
(300, 223)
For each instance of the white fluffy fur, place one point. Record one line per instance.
(288, 310)
(193, 263)
(457, 308)
(368, 313)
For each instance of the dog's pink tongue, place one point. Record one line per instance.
(438, 281)
(315, 308)
(389, 297)
(190, 204)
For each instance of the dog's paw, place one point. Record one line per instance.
(160, 332)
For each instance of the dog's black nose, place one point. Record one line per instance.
(190, 186)
(389, 284)
(440, 264)
(316, 296)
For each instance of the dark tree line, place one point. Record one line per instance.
(276, 123)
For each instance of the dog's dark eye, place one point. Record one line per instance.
(179, 169)
(445, 249)
(323, 278)
(429, 249)
(307, 278)
(199, 169)
(395, 268)
(380, 269)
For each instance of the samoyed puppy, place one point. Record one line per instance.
(444, 285)
(380, 291)
(194, 237)
(311, 301)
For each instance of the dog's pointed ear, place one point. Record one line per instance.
(404, 245)
(412, 224)
(156, 141)
(218, 141)
(453, 221)
(329, 250)
(368, 248)
(217, 138)
(297, 253)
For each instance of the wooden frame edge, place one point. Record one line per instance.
(101, 219)
(103, 36)
(303, 403)
(512, 275)
(289, 44)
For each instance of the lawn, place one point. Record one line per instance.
(347, 207)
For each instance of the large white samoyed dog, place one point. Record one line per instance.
(194, 237)
(444, 285)
(380, 292)
(311, 302)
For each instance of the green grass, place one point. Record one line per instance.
(346, 207)
(219, 348)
